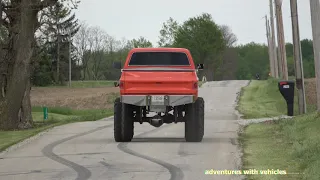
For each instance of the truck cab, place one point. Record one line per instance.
(162, 82)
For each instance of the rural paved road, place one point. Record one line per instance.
(87, 150)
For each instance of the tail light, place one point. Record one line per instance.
(121, 84)
(195, 85)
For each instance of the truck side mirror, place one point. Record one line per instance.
(116, 84)
(116, 65)
(286, 88)
(200, 66)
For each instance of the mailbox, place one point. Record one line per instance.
(287, 88)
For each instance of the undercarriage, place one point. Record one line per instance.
(171, 115)
(158, 110)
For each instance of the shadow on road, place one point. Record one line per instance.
(157, 139)
(181, 140)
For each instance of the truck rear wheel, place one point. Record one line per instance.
(194, 121)
(123, 122)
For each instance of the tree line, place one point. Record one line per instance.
(39, 37)
(93, 50)
(254, 58)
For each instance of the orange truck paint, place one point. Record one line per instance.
(158, 81)
(155, 82)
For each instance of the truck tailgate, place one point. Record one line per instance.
(144, 82)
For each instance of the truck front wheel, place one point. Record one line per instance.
(123, 122)
(194, 121)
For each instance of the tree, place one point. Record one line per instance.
(141, 42)
(167, 33)
(253, 58)
(21, 21)
(124, 47)
(81, 43)
(307, 57)
(202, 36)
(230, 61)
(97, 50)
(59, 26)
(99, 40)
(307, 49)
(41, 67)
(229, 37)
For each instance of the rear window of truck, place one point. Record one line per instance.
(159, 59)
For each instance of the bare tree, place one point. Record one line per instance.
(98, 39)
(113, 45)
(81, 41)
(88, 52)
(125, 47)
(229, 37)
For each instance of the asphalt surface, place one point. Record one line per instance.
(86, 150)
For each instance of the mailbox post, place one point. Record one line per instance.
(287, 88)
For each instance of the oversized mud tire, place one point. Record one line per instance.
(194, 121)
(123, 122)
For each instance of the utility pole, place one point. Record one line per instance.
(315, 21)
(281, 40)
(69, 59)
(278, 47)
(271, 50)
(273, 42)
(298, 57)
(269, 47)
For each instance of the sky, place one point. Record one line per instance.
(132, 19)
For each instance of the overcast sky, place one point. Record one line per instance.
(131, 19)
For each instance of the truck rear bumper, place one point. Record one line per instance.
(162, 100)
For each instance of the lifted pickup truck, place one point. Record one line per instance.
(163, 82)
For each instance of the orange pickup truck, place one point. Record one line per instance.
(162, 82)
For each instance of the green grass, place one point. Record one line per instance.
(290, 145)
(263, 99)
(88, 84)
(200, 83)
(67, 111)
(9, 138)
(56, 116)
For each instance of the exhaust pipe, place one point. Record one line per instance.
(156, 121)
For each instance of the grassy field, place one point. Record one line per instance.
(85, 101)
(263, 99)
(289, 145)
(56, 116)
